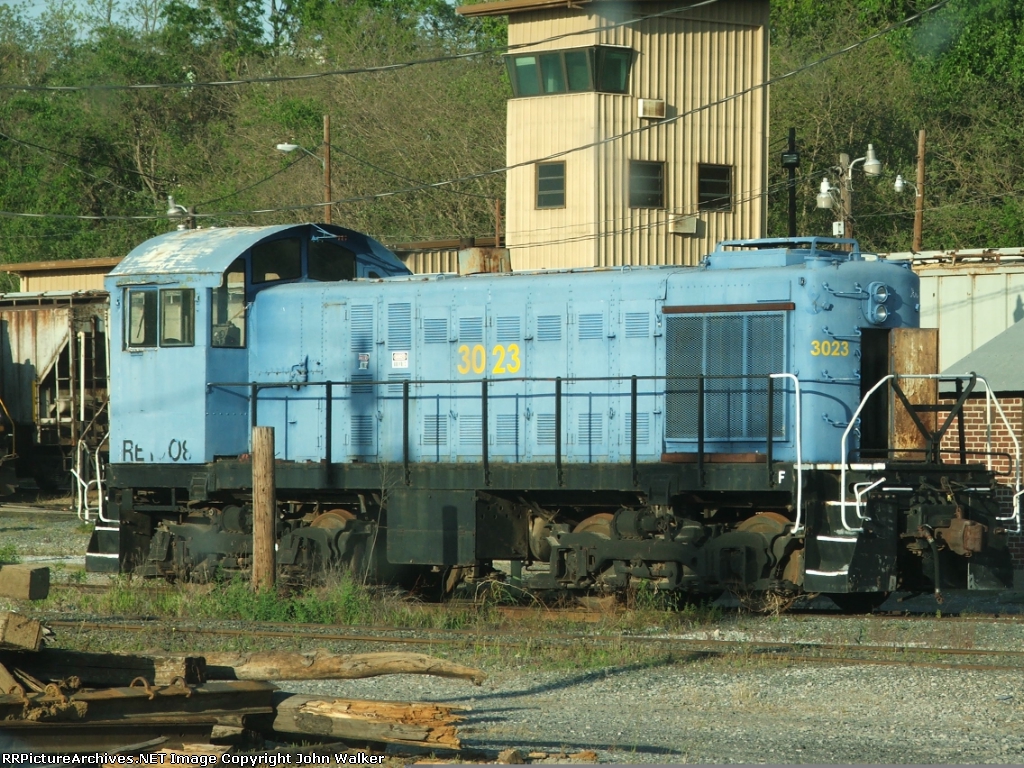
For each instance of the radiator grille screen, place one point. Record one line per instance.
(747, 346)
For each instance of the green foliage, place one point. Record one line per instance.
(957, 73)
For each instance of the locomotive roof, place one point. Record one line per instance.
(211, 251)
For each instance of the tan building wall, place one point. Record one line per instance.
(64, 275)
(38, 282)
(688, 59)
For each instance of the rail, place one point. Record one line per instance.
(699, 391)
(933, 439)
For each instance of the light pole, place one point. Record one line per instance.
(324, 161)
(174, 210)
(825, 198)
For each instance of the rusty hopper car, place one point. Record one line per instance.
(739, 425)
(54, 383)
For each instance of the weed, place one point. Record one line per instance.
(9, 554)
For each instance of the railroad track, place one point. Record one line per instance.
(791, 652)
(584, 615)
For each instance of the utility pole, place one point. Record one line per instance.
(846, 195)
(791, 161)
(327, 169)
(919, 199)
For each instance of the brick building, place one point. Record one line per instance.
(1001, 363)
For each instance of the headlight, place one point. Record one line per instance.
(878, 314)
(878, 292)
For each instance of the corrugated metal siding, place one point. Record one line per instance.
(689, 60)
(431, 262)
(552, 237)
(970, 304)
(529, 28)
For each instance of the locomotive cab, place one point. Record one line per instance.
(180, 306)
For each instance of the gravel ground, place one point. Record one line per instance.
(680, 710)
(710, 712)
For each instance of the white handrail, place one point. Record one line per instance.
(860, 490)
(842, 453)
(100, 493)
(83, 486)
(798, 523)
(990, 400)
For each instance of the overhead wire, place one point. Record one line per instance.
(563, 153)
(90, 160)
(255, 184)
(345, 72)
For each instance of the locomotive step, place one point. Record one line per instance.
(103, 553)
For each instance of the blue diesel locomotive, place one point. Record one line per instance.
(706, 428)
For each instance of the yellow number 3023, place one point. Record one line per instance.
(830, 348)
(505, 359)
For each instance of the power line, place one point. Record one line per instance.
(483, 174)
(79, 158)
(341, 72)
(264, 180)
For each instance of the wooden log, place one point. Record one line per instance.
(98, 670)
(20, 632)
(24, 582)
(281, 665)
(264, 508)
(419, 724)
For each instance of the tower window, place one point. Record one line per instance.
(603, 68)
(714, 187)
(551, 185)
(646, 184)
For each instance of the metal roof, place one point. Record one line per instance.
(999, 361)
(61, 265)
(211, 251)
(194, 251)
(505, 7)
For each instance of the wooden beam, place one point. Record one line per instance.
(24, 582)
(19, 632)
(7, 681)
(280, 665)
(419, 724)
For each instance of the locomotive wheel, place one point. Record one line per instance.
(601, 524)
(767, 523)
(333, 518)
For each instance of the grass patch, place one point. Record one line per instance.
(9, 555)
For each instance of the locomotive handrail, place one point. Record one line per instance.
(798, 523)
(989, 401)
(255, 388)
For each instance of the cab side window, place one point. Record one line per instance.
(228, 311)
(330, 261)
(277, 260)
(177, 317)
(141, 318)
(167, 314)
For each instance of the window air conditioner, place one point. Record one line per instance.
(651, 108)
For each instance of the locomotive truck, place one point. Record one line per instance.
(739, 425)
